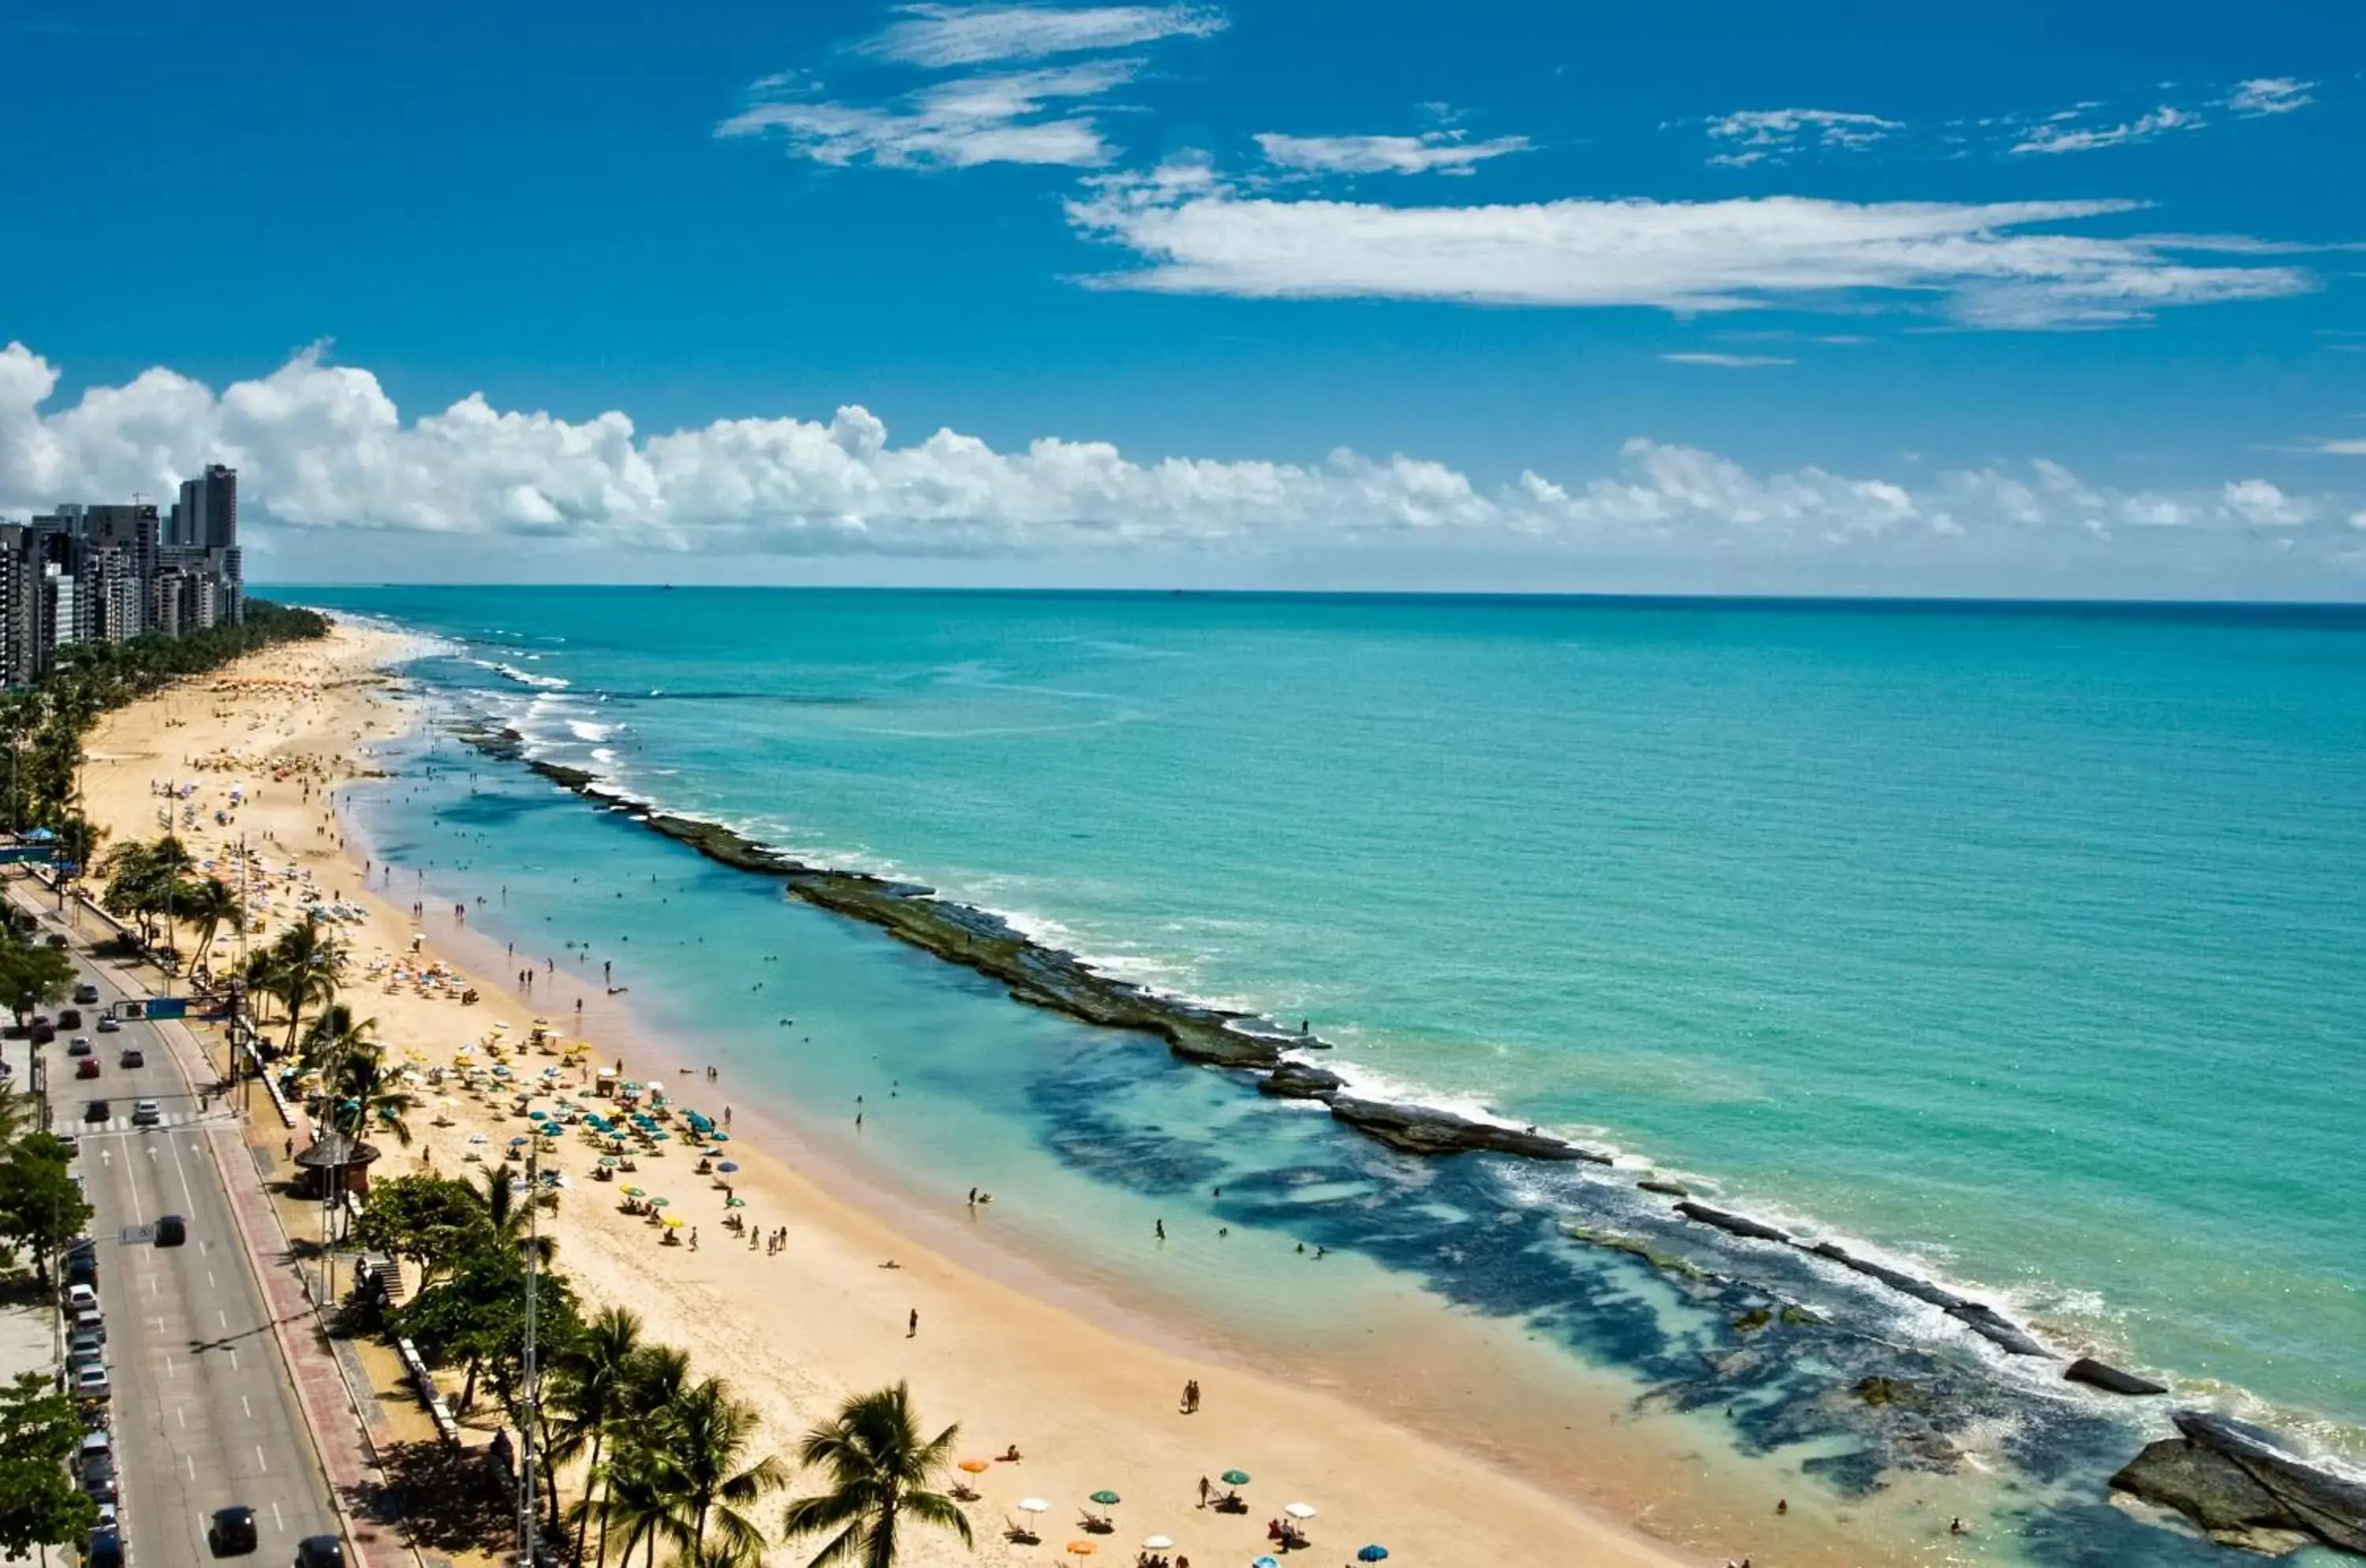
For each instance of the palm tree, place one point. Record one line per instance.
(708, 1434)
(367, 1097)
(881, 1471)
(720, 1554)
(509, 1217)
(656, 1377)
(638, 1496)
(307, 958)
(210, 905)
(590, 1395)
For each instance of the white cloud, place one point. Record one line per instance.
(938, 35)
(2339, 446)
(1755, 135)
(1020, 117)
(2257, 503)
(327, 462)
(1199, 235)
(1435, 152)
(2057, 135)
(1728, 361)
(2269, 95)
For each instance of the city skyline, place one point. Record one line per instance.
(1186, 295)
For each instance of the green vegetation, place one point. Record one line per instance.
(32, 975)
(881, 1473)
(39, 1503)
(41, 1206)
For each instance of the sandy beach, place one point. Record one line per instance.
(1090, 1399)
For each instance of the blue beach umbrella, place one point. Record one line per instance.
(1373, 1554)
(727, 1166)
(718, 1137)
(1265, 1562)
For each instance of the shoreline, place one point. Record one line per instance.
(1089, 1403)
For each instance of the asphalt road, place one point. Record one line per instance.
(203, 1413)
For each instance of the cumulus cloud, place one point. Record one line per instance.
(1728, 361)
(1021, 117)
(325, 453)
(1437, 151)
(2065, 137)
(2269, 95)
(1194, 233)
(1755, 135)
(937, 36)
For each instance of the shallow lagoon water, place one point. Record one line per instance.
(2119, 938)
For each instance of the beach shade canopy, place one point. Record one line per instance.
(734, 1202)
(1105, 1498)
(974, 1466)
(538, 1114)
(608, 1162)
(1033, 1505)
(1083, 1548)
(1157, 1542)
(1237, 1478)
(727, 1166)
(635, 1192)
(718, 1137)
(1263, 1563)
(517, 1143)
(478, 1138)
(1300, 1510)
(663, 1202)
(673, 1221)
(1373, 1553)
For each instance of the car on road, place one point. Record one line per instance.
(89, 1321)
(83, 1340)
(320, 1552)
(70, 1018)
(145, 1115)
(110, 1024)
(80, 1298)
(96, 1441)
(86, 993)
(106, 1519)
(91, 1382)
(172, 1230)
(98, 1478)
(79, 1046)
(232, 1530)
(106, 1549)
(88, 1067)
(133, 1058)
(98, 1111)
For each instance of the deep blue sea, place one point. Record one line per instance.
(2024, 945)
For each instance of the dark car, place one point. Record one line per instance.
(70, 1018)
(133, 1058)
(320, 1552)
(86, 993)
(98, 1479)
(105, 1550)
(98, 1111)
(55, 939)
(232, 1530)
(88, 1067)
(43, 1032)
(171, 1230)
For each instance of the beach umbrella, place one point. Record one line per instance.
(1300, 1510)
(1237, 1478)
(1083, 1548)
(1032, 1505)
(673, 1221)
(1263, 1563)
(1157, 1542)
(539, 1115)
(478, 1138)
(974, 1466)
(518, 1143)
(726, 1167)
(1372, 1554)
(635, 1192)
(608, 1162)
(1105, 1498)
(734, 1202)
(664, 1202)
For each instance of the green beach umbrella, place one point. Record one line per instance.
(635, 1192)
(1237, 1478)
(659, 1202)
(1105, 1498)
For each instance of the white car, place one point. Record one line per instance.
(81, 1298)
(145, 1115)
(91, 1382)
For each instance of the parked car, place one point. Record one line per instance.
(110, 1024)
(86, 993)
(98, 1111)
(88, 1067)
(232, 1530)
(91, 1382)
(43, 1032)
(106, 1549)
(89, 1320)
(98, 1478)
(79, 1046)
(81, 1298)
(96, 1441)
(320, 1552)
(172, 1230)
(145, 1115)
(134, 1058)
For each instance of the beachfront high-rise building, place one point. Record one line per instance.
(109, 572)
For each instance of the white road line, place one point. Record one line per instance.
(259, 1461)
(209, 1280)
(224, 1318)
(190, 1461)
(277, 1518)
(181, 1414)
(170, 1370)
(233, 1361)
(243, 1405)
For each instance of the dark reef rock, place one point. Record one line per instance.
(2110, 1379)
(1297, 1080)
(2234, 1481)
(1417, 1129)
(1733, 1225)
(1663, 1187)
(1996, 1328)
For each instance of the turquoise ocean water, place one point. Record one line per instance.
(2026, 945)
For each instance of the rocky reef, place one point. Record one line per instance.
(2242, 1489)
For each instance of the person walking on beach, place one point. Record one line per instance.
(1159, 1226)
(1204, 1490)
(912, 1324)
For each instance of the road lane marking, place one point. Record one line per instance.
(209, 1279)
(276, 1516)
(259, 1461)
(170, 1370)
(243, 1405)
(224, 1318)
(181, 1414)
(233, 1361)
(191, 1461)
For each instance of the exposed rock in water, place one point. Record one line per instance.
(1733, 1225)
(1979, 1316)
(1996, 1328)
(2110, 1379)
(1663, 1187)
(1297, 1080)
(2234, 1481)
(1418, 1129)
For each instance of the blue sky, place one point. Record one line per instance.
(1696, 298)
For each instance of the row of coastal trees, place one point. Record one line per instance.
(42, 1213)
(42, 725)
(661, 1459)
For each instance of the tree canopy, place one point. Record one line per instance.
(39, 1503)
